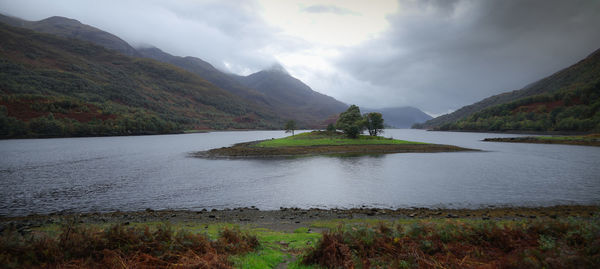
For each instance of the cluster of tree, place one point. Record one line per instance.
(566, 110)
(352, 123)
(290, 126)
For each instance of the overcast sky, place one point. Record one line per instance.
(434, 55)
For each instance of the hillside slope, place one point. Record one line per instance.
(400, 117)
(568, 100)
(206, 71)
(583, 72)
(52, 86)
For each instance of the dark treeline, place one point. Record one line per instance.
(56, 117)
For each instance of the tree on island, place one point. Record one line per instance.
(374, 123)
(330, 128)
(351, 122)
(290, 126)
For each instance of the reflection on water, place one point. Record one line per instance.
(134, 173)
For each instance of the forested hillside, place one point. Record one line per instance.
(575, 109)
(52, 86)
(564, 101)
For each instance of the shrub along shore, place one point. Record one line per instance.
(324, 143)
(551, 237)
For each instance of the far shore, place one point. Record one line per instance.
(509, 132)
(589, 140)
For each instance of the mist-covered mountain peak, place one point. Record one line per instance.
(277, 68)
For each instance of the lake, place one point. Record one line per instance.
(40, 176)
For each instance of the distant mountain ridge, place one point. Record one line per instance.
(584, 71)
(278, 92)
(71, 28)
(294, 99)
(400, 117)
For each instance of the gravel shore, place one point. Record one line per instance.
(288, 219)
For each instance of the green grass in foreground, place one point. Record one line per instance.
(276, 247)
(320, 138)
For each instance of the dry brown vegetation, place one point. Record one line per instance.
(460, 244)
(121, 246)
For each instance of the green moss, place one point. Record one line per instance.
(265, 258)
(275, 247)
(301, 230)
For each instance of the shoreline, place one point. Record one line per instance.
(289, 219)
(516, 132)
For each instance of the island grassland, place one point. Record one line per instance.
(324, 143)
(581, 140)
(547, 237)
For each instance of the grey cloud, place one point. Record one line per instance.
(328, 9)
(229, 34)
(440, 55)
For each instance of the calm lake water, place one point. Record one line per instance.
(135, 173)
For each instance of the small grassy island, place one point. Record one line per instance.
(585, 140)
(325, 143)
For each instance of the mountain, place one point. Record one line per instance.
(293, 98)
(311, 114)
(273, 88)
(55, 86)
(400, 117)
(564, 101)
(71, 28)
